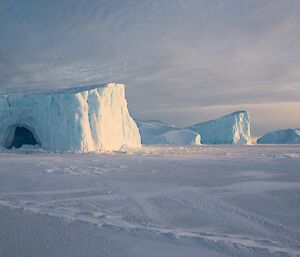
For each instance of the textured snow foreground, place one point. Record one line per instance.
(156, 201)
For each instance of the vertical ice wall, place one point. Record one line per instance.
(93, 118)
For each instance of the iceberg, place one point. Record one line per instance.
(152, 129)
(84, 119)
(230, 129)
(286, 136)
(158, 132)
(180, 137)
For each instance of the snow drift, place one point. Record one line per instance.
(158, 132)
(286, 136)
(230, 129)
(92, 118)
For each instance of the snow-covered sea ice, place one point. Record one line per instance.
(154, 201)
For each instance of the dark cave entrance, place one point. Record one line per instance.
(22, 136)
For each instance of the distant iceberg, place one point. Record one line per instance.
(230, 129)
(158, 132)
(287, 136)
(180, 137)
(92, 118)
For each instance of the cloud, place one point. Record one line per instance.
(175, 56)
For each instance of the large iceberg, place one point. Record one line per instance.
(286, 136)
(230, 129)
(158, 132)
(85, 119)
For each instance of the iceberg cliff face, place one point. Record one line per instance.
(230, 129)
(93, 118)
(158, 132)
(287, 136)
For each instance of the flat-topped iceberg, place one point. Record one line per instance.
(230, 129)
(286, 136)
(158, 132)
(92, 118)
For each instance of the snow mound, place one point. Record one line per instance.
(85, 119)
(230, 129)
(286, 136)
(158, 132)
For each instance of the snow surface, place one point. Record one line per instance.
(158, 132)
(154, 201)
(230, 129)
(287, 136)
(92, 118)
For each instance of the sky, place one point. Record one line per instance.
(183, 61)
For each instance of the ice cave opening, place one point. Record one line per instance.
(22, 136)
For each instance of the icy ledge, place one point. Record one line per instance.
(85, 119)
(230, 129)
